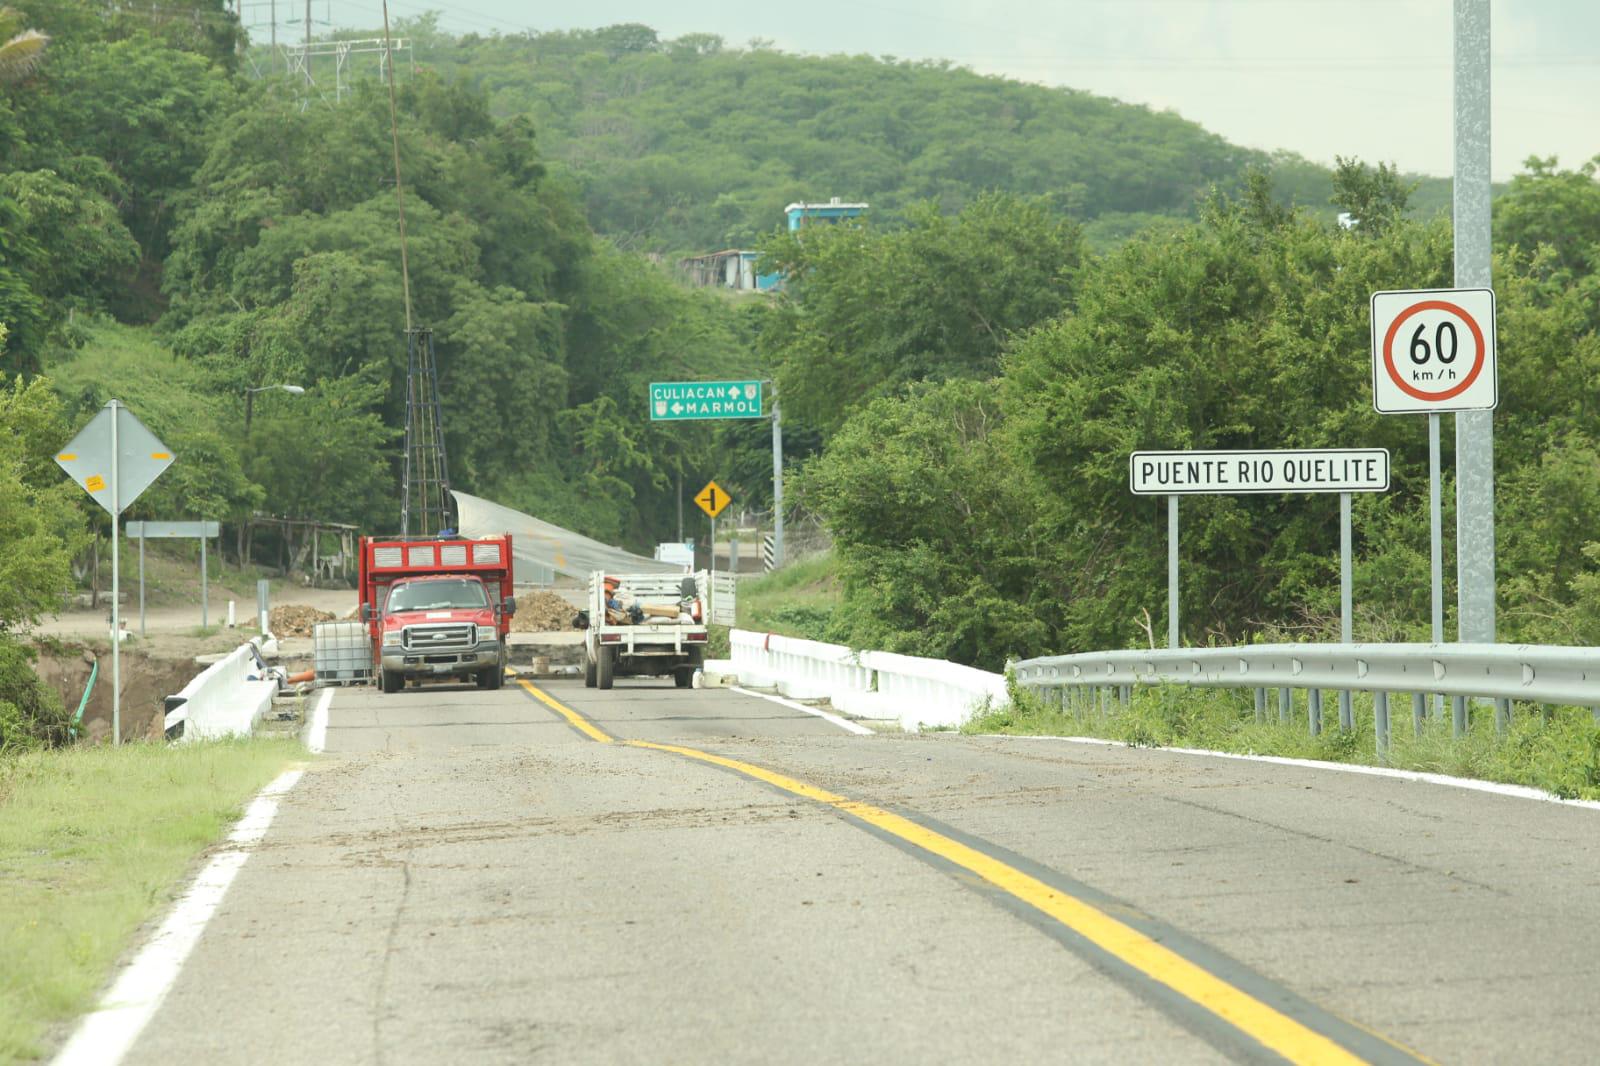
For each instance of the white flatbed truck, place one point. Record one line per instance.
(645, 625)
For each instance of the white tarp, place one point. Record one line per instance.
(538, 545)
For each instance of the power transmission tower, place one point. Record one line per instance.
(427, 468)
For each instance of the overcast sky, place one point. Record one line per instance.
(1369, 78)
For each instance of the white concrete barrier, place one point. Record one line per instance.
(913, 692)
(226, 699)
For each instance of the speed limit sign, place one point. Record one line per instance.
(1433, 351)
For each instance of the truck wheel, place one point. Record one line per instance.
(683, 677)
(588, 672)
(606, 667)
(389, 681)
(494, 678)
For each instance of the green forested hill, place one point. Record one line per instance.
(688, 144)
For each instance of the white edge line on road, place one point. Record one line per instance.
(828, 716)
(104, 1036)
(317, 732)
(1471, 784)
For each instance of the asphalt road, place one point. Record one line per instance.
(472, 877)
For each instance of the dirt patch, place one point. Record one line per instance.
(146, 683)
(542, 612)
(296, 620)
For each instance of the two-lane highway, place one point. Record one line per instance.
(652, 874)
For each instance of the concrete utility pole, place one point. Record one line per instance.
(1475, 576)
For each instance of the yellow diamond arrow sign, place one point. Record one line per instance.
(712, 499)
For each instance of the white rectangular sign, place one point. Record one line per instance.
(1228, 473)
(170, 530)
(1433, 351)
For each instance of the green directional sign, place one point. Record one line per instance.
(678, 400)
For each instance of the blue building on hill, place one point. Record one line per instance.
(802, 215)
(735, 268)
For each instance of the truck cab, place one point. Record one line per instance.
(437, 609)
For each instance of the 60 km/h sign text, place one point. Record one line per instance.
(1280, 470)
(1433, 351)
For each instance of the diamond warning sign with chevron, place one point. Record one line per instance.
(679, 400)
(712, 499)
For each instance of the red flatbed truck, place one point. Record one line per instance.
(437, 608)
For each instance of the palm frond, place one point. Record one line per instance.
(21, 55)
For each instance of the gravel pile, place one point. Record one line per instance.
(296, 620)
(542, 612)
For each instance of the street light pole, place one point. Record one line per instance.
(1475, 550)
(250, 400)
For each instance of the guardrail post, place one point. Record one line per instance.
(1380, 723)
(1458, 716)
(1124, 695)
(1285, 706)
(1314, 710)
(1261, 705)
(1347, 714)
(1502, 715)
(1419, 711)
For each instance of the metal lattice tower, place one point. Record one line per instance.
(427, 500)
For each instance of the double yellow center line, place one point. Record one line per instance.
(1270, 1027)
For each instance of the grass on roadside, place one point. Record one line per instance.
(92, 843)
(1557, 751)
(795, 601)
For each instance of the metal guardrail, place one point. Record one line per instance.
(1465, 672)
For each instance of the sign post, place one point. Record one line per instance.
(1172, 572)
(680, 401)
(201, 531)
(712, 500)
(777, 483)
(1235, 473)
(1433, 352)
(115, 442)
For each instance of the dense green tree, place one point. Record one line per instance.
(40, 523)
(1246, 329)
(932, 520)
(689, 145)
(21, 309)
(81, 251)
(1372, 198)
(1556, 208)
(870, 309)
